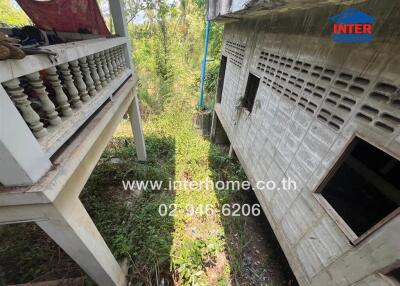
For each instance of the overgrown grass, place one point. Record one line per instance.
(185, 247)
(196, 248)
(27, 254)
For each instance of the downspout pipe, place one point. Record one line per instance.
(203, 64)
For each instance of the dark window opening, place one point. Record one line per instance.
(220, 137)
(364, 189)
(394, 275)
(251, 90)
(221, 78)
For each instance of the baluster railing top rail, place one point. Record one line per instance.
(67, 52)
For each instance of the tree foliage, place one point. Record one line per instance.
(167, 49)
(11, 14)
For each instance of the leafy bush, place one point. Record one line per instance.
(211, 83)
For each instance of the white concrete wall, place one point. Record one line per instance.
(280, 138)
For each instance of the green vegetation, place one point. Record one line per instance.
(11, 14)
(167, 50)
(183, 247)
(195, 246)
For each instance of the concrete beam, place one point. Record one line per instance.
(71, 227)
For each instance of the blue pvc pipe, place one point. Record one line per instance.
(203, 64)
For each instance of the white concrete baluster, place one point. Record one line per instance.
(16, 92)
(70, 86)
(121, 54)
(94, 73)
(120, 26)
(120, 58)
(61, 97)
(87, 76)
(109, 64)
(105, 66)
(78, 79)
(47, 105)
(114, 61)
(100, 71)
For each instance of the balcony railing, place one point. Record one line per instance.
(56, 95)
(46, 99)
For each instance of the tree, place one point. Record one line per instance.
(11, 14)
(133, 8)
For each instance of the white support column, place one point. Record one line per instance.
(213, 126)
(121, 29)
(71, 227)
(231, 151)
(137, 129)
(22, 160)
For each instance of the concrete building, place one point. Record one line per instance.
(50, 143)
(296, 102)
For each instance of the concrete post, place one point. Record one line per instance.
(118, 16)
(213, 126)
(231, 152)
(137, 129)
(71, 227)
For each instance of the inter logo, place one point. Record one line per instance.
(352, 26)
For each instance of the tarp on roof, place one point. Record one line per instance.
(66, 15)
